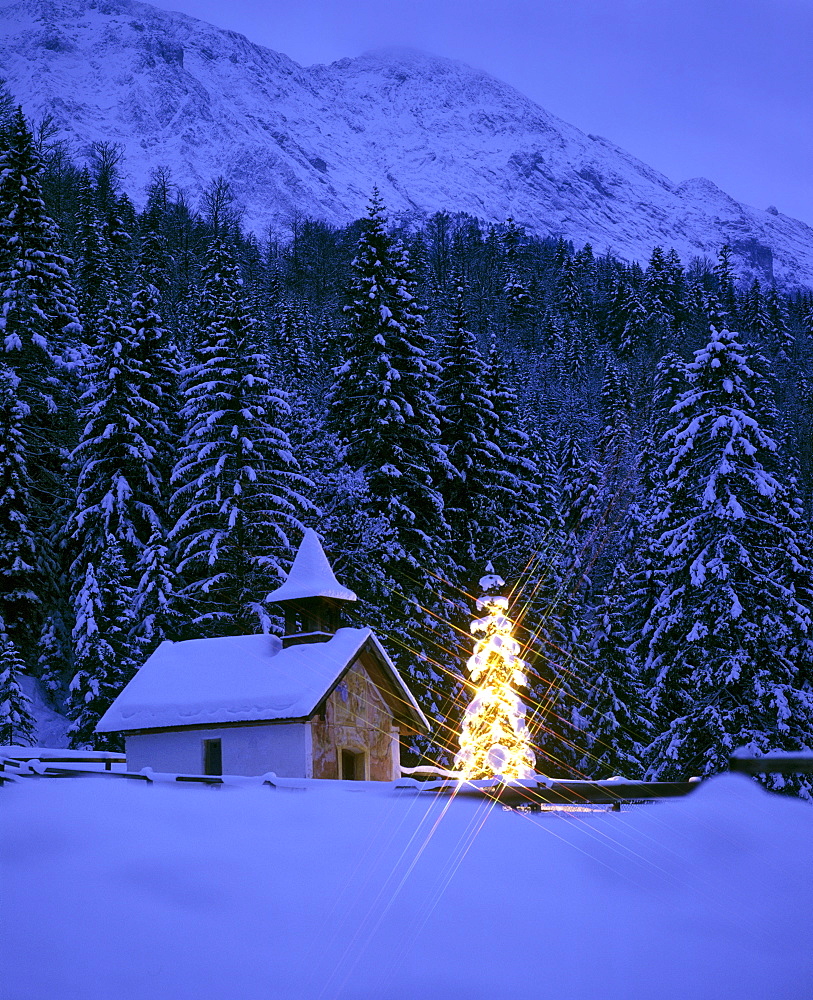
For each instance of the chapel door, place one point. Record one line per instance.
(352, 766)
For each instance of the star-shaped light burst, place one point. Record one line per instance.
(494, 741)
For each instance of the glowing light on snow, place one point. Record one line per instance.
(494, 740)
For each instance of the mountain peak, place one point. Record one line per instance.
(389, 55)
(432, 133)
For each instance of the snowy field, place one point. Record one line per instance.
(112, 889)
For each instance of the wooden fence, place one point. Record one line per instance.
(18, 764)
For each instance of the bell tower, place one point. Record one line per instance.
(311, 597)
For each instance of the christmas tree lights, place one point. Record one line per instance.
(494, 741)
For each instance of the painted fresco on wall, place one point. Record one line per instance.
(356, 719)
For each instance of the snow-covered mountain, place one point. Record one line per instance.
(431, 133)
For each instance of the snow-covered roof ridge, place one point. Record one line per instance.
(311, 575)
(244, 678)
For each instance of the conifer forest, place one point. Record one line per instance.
(630, 445)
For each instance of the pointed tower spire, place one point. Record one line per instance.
(311, 596)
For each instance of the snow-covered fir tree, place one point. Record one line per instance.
(606, 683)
(548, 597)
(238, 499)
(520, 307)
(119, 488)
(19, 600)
(615, 313)
(39, 314)
(728, 647)
(119, 226)
(724, 273)
(532, 542)
(616, 418)
(156, 353)
(290, 336)
(755, 315)
(634, 332)
(38, 320)
(580, 478)
(157, 605)
(470, 436)
(521, 507)
(93, 259)
(614, 721)
(383, 403)
(153, 250)
(636, 546)
(55, 656)
(384, 408)
(638, 542)
(778, 325)
(569, 296)
(103, 649)
(660, 300)
(17, 724)
(122, 462)
(670, 383)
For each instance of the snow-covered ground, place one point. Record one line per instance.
(357, 891)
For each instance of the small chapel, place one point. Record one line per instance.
(321, 701)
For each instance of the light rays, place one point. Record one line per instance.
(494, 738)
(450, 641)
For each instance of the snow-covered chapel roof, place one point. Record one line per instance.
(244, 678)
(311, 575)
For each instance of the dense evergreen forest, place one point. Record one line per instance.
(629, 445)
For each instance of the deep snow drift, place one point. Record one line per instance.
(357, 891)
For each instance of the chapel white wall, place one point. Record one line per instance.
(284, 748)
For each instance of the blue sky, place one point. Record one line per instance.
(719, 89)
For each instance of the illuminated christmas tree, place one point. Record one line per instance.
(494, 741)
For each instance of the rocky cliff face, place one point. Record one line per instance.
(431, 133)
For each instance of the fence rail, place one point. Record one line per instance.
(534, 792)
(772, 763)
(553, 792)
